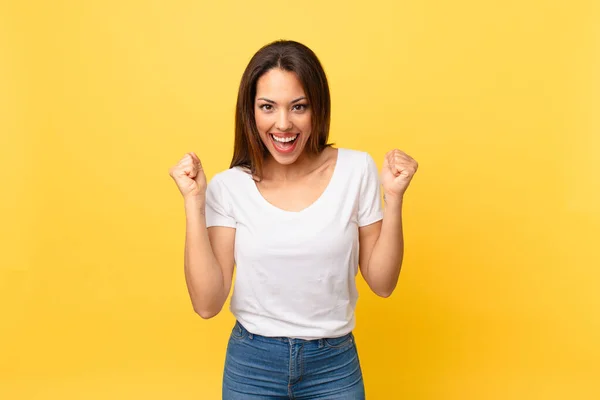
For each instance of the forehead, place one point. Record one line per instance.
(278, 83)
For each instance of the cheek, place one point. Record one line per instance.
(307, 125)
(303, 122)
(263, 123)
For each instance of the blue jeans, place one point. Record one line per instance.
(268, 368)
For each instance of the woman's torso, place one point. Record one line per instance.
(295, 270)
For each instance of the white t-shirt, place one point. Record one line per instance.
(296, 270)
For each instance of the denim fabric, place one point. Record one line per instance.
(266, 368)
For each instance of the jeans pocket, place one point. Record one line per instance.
(339, 342)
(238, 332)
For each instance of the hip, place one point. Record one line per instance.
(261, 366)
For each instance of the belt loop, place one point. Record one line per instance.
(321, 344)
(250, 335)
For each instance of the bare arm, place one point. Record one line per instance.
(382, 243)
(208, 261)
(208, 255)
(382, 251)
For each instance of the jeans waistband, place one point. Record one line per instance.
(243, 331)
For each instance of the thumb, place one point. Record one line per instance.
(199, 170)
(195, 157)
(195, 160)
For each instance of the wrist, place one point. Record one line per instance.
(393, 200)
(194, 203)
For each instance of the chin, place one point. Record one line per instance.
(284, 160)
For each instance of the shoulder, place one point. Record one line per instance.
(360, 160)
(230, 176)
(230, 179)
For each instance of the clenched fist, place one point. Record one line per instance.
(189, 176)
(397, 172)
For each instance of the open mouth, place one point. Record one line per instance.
(284, 144)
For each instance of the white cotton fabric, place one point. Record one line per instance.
(295, 271)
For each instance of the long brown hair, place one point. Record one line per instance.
(249, 150)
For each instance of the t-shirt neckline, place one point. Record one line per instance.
(315, 203)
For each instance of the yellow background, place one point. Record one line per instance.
(499, 102)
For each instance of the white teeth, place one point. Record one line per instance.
(284, 140)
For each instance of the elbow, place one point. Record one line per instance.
(385, 288)
(385, 293)
(207, 307)
(206, 313)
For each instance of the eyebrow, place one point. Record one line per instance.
(272, 102)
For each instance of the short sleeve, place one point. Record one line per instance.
(218, 206)
(369, 203)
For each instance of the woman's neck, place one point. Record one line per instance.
(304, 165)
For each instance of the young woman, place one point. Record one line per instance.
(297, 217)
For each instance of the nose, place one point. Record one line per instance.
(283, 121)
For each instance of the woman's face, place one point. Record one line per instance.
(283, 115)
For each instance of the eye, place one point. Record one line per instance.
(300, 107)
(266, 107)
